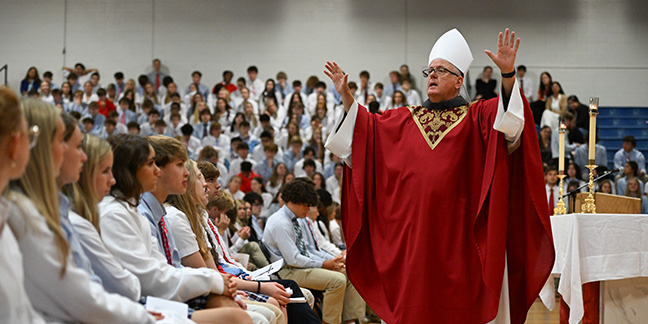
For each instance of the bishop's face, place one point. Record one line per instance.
(443, 87)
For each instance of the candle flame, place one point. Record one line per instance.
(563, 126)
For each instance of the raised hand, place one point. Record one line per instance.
(340, 81)
(339, 78)
(506, 51)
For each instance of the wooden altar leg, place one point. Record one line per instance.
(591, 314)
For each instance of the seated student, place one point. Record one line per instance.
(57, 99)
(88, 125)
(242, 151)
(201, 129)
(276, 180)
(413, 97)
(246, 136)
(297, 312)
(629, 153)
(315, 239)
(125, 114)
(233, 238)
(147, 107)
(294, 154)
(77, 104)
(265, 121)
(285, 239)
(133, 128)
(50, 266)
(94, 183)
(255, 201)
(574, 174)
(99, 119)
(630, 171)
(15, 142)
(234, 186)
(246, 176)
(335, 226)
(232, 151)
(217, 139)
(109, 129)
(119, 127)
(170, 157)
(269, 162)
(186, 224)
(191, 142)
(334, 181)
(634, 190)
(160, 128)
(211, 155)
(46, 92)
(147, 128)
(128, 234)
(265, 201)
(308, 154)
(258, 153)
(175, 98)
(605, 186)
(105, 106)
(174, 127)
(552, 188)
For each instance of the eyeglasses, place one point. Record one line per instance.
(440, 72)
(32, 134)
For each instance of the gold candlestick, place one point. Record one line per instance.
(589, 206)
(560, 206)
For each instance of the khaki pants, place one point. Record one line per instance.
(257, 258)
(341, 301)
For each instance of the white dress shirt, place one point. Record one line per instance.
(183, 235)
(114, 277)
(127, 235)
(16, 306)
(73, 297)
(280, 238)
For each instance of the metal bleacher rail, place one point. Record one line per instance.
(614, 123)
(5, 68)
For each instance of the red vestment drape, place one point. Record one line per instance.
(428, 222)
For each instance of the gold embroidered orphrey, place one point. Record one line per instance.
(434, 124)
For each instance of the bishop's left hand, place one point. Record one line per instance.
(506, 51)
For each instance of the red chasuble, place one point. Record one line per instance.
(432, 203)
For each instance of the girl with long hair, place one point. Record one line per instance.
(50, 268)
(15, 142)
(31, 81)
(276, 179)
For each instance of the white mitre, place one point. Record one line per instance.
(452, 47)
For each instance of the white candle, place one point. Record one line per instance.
(593, 106)
(561, 150)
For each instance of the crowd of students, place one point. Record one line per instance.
(550, 107)
(120, 198)
(110, 215)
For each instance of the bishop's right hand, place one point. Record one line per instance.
(339, 78)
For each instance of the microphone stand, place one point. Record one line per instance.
(572, 194)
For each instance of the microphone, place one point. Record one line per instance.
(615, 170)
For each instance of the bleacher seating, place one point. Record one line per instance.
(614, 123)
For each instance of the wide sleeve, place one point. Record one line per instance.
(72, 297)
(133, 245)
(510, 121)
(340, 140)
(114, 277)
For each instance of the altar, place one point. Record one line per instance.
(610, 248)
